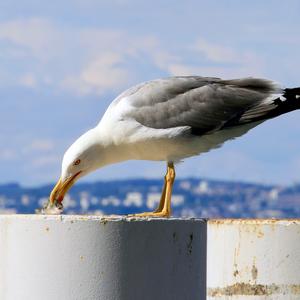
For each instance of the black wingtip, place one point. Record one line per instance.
(291, 93)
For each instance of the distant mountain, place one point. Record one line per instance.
(191, 197)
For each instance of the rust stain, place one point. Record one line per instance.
(237, 249)
(295, 289)
(247, 289)
(254, 272)
(260, 234)
(254, 221)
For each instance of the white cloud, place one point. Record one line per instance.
(28, 80)
(94, 60)
(215, 71)
(213, 60)
(45, 161)
(214, 52)
(36, 35)
(81, 60)
(39, 145)
(183, 69)
(7, 154)
(105, 72)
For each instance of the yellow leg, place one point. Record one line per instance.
(163, 196)
(164, 208)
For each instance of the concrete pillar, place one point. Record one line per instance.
(118, 258)
(253, 259)
(83, 257)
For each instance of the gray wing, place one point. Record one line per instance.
(204, 104)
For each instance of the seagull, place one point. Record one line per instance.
(171, 119)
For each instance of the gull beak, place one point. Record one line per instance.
(61, 188)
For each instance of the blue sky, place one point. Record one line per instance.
(62, 62)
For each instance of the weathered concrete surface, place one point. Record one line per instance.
(81, 257)
(253, 259)
(118, 258)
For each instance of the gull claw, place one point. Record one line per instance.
(154, 214)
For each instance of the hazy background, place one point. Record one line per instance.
(62, 62)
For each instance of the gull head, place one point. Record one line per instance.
(82, 157)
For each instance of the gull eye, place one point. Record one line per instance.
(77, 162)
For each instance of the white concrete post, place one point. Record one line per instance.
(83, 257)
(87, 258)
(253, 259)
